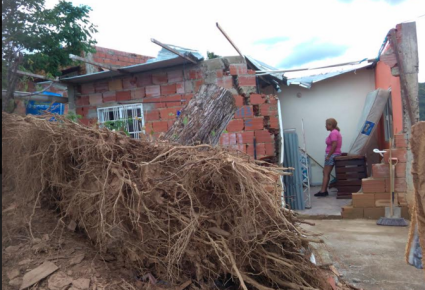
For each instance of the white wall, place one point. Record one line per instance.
(340, 97)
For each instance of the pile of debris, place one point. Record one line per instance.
(194, 216)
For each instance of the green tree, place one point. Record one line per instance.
(212, 55)
(421, 97)
(40, 39)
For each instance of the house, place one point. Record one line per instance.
(154, 92)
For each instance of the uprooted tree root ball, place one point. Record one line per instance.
(188, 215)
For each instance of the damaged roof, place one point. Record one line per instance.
(164, 59)
(308, 81)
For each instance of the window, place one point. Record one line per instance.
(127, 117)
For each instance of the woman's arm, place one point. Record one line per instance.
(333, 148)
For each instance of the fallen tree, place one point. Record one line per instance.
(188, 215)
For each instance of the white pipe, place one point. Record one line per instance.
(282, 149)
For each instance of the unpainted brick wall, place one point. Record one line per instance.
(167, 91)
(116, 57)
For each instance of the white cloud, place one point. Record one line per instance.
(361, 25)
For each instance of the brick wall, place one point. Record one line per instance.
(165, 92)
(371, 203)
(116, 57)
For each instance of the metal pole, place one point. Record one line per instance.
(231, 42)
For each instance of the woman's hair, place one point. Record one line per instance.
(333, 123)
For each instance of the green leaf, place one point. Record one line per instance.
(213, 133)
(185, 120)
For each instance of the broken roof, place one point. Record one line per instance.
(308, 81)
(163, 60)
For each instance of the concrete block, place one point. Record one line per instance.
(349, 212)
(363, 200)
(374, 213)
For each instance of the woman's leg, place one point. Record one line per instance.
(326, 177)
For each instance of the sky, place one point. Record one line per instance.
(282, 33)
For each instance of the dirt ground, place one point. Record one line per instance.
(370, 256)
(70, 251)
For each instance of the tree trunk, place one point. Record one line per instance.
(204, 118)
(12, 79)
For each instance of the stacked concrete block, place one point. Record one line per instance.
(165, 92)
(375, 195)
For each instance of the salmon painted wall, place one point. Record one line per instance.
(385, 80)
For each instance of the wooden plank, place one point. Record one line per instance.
(357, 169)
(351, 175)
(349, 162)
(340, 183)
(38, 274)
(344, 196)
(350, 188)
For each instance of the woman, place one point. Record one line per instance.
(333, 149)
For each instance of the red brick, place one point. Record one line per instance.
(274, 123)
(400, 170)
(80, 111)
(159, 78)
(144, 80)
(269, 149)
(194, 74)
(399, 153)
(251, 72)
(238, 69)
(238, 100)
(129, 83)
(241, 148)
(187, 98)
(225, 82)
(235, 126)
(109, 97)
(138, 94)
(176, 98)
(244, 112)
(227, 139)
(124, 96)
(168, 89)
(380, 170)
(272, 100)
(263, 136)
(101, 87)
(175, 76)
(82, 101)
(245, 81)
(257, 99)
(87, 89)
(161, 126)
(197, 85)
(246, 137)
(400, 141)
(219, 74)
(115, 85)
(268, 110)
(95, 99)
(261, 149)
(400, 185)
(373, 185)
(168, 114)
(152, 115)
(180, 88)
(153, 91)
(254, 124)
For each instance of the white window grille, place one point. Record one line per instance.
(130, 117)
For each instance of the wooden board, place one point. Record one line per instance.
(349, 162)
(350, 169)
(341, 183)
(352, 175)
(38, 274)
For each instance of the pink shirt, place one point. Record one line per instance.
(334, 136)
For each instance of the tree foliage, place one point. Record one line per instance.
(212, 55)
(46, 37)
(40, 39)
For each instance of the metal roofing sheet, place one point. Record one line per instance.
(308, 81)
(164, 59)
(261, 66)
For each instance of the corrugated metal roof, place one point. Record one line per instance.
(163, 60)
(308, 81)
(261, 66)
